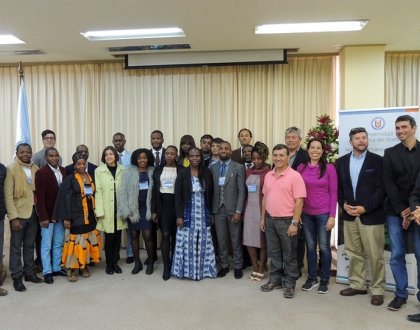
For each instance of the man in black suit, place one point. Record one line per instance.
(244, 137)
(158, 151)
(83, 150)
(361, 195)
(401, 168)
(297, 156)
(228, 203)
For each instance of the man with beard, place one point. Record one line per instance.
(228, 203)
(361, 195)
(205, 146)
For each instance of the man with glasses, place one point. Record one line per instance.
(48, 140)
(361, 196)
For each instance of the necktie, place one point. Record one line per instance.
(223, 170)
(120, 160)
(157, 159)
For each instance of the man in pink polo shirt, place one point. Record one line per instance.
(284, 191)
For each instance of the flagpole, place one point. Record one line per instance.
(23, 131)
(21, 73)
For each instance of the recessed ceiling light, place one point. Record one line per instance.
(8, 39)
(311, 27)
(134, 34)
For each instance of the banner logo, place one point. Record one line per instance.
(377, 123)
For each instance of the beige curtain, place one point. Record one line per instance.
(87, 103)
(402, 79)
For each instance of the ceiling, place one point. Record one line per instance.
(54, 26)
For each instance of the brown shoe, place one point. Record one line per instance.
(71, 276)
(377, 300)
(85, 272)
(352, 292)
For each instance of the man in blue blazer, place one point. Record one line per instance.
(361, 196)
(228, 203)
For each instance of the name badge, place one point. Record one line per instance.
(252, 188)
(143, 185)
(88, 190)
(168, 184)
(222, 181)
(196, 187)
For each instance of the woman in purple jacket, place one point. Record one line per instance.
(318, 216)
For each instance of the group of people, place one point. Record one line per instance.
(210, 201)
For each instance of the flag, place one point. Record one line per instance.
(23, 131)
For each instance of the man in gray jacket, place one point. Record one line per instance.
(228, 203)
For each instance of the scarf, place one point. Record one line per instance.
(84, 199)
(21, 181)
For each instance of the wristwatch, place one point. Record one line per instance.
(295, 223)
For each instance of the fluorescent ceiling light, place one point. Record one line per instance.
(8, 39)
(311, 27)
(134, 34)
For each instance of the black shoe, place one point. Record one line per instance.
(222, 272)
(129, 260)
(48, 278)
(18, 284)
(117, 269)
(147, 260)
(246, 264)
(238, 274)
(397, 303)
(61, 272)
(109, 270)
(149, 269)
(37, 266)
(33, 278)
(414, 317)
(137, 268)
(166, 274)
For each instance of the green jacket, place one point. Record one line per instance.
(104, 198)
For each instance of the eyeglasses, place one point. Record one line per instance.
(356, 130)
(49, 138)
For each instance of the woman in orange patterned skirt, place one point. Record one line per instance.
(75, 207)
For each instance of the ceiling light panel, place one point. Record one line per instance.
(8, 39)
(134, 34)
(339, 26)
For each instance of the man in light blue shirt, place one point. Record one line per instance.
(118, 140)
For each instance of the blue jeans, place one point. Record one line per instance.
(52, 239)
(315, 233)
(398, 237)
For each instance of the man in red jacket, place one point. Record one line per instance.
(47, 183)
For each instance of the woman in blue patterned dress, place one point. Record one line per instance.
(194, 256)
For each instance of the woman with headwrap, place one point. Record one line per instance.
(75, 206)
